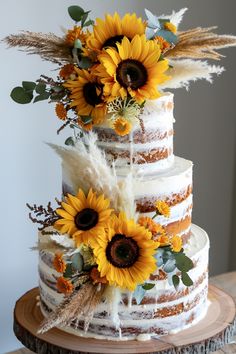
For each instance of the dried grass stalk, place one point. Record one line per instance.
(200, 43)
(81, 303)
(48, 46)
(186, 70)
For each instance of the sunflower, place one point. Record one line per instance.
(87, 95)
(109, 32)
(132, 69)
(83, 218)
(122, 126)
(125, 253)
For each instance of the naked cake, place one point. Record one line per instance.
(119, 257)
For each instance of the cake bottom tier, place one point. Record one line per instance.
(163, 309)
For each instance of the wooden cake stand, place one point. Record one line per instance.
(209, 335)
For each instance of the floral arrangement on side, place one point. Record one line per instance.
(98, 241)
(111, 67)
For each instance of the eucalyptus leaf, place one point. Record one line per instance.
(169, 266)
(40, 88)
(69, 271)
(148, 286)
(70, 141)
(28, 86)
(168, 36)
(150, 33)
(42, 97)
(85, 62)
(86, 119)
(77, 261)
(175, 280)
(186, 279)
(57, 96)
(78, 44)
(139, 294)
(84, 18)
(19, 95)
(57, 88)
(89, 23)
(183, 263)
(76, 12)
(153, 21)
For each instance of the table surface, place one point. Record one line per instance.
(226, 282)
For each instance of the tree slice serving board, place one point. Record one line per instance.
(209, 335)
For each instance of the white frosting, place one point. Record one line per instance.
(123, 316)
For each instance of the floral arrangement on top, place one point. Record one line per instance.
(117, 65)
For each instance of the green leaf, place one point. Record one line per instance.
(86, 119)
(169, 266)
(40, 88)
(89, 23)
(148, 286)
(28, 86)
(139, 294)
(183, 263)
(175, 280)
(42, 97)
(57, 96)
(78, 44)
(57, 88)
(168, 36)
(77, 261)
(76, 12)
(84, 18)
(186, 279)
(85, 63)
(19, 95)
(70, 141)
(69, 271)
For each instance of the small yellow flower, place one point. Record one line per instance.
(163, 208)
(152, 226)
(59, 263)
(164, 45)
(122, 126)
(176, 243)
(64, 286)
(60, 111)
(76, 33)
(163, 240)
(96, 276)
(170, 27)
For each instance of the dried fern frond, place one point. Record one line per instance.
(200, 43)
(81, 303)
(48, 46)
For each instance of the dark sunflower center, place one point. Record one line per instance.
(86, 219)
(92, 93)
(131, 73)
(111, 42)
(122, 251)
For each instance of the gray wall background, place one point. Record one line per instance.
(205, 133)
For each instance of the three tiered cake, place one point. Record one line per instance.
(119, 257)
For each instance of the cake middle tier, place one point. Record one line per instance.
(172, 185)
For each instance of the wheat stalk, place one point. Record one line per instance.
(48, 46)
(81, 303)
(200, 43)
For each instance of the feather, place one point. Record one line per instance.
(79, 305)
(48, 46)
(187, 70)
(86, 167)
(127, 200)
